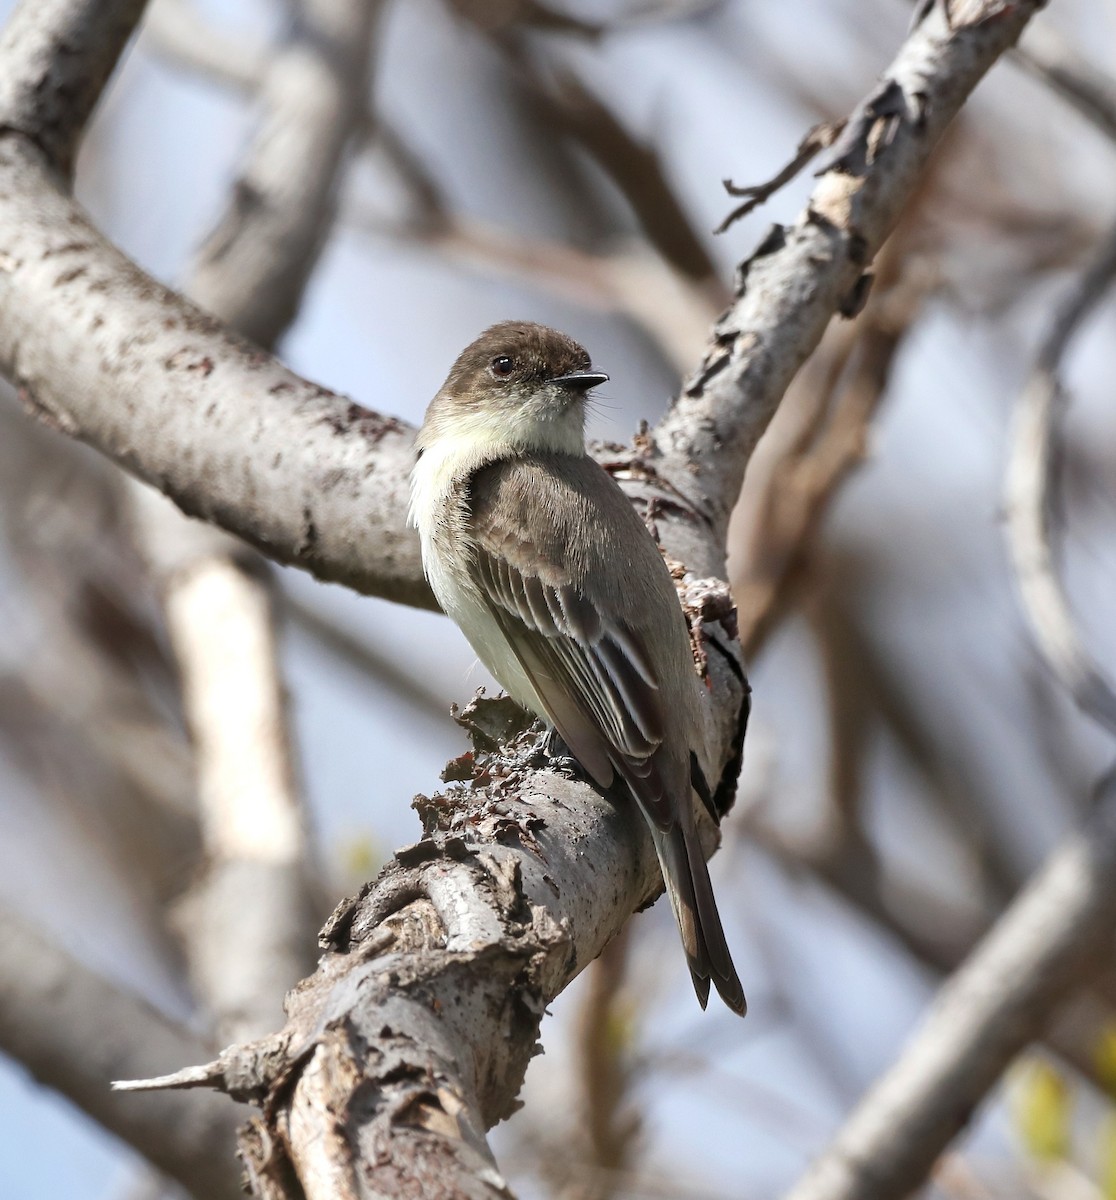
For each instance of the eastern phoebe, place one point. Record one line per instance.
(560, 588)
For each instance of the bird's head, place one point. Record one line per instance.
(520, 387)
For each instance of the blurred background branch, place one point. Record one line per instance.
(249, 922)
(1030, 501)
(1000, 999)
(73, 1030)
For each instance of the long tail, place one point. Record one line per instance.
(695, 909)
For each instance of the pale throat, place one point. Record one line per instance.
(453, 448)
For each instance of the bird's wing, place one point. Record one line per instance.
(592, 669)
(576, 611)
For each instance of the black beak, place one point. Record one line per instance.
(581, 381)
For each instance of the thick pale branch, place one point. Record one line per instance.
(75, 1031)
(100, 351)
(248, 919)
(57, 56)
(425, 1010)
(800, 276)
(999, 1001)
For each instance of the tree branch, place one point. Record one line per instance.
(1047, 942)
(472, 930)
(57, 56)
(100, 351)
(248, 918)
(800, 276)
(314, 480)
(185, 39)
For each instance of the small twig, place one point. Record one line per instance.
(671, 309)
(1031, 469)
(1044, 945)
(821, 137)
(428, 207)
(568, 105)
(530, 14)
(845, 842)
(204, 1076)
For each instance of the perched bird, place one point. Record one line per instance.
(548, 570)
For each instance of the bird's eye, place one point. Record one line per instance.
(502, 366)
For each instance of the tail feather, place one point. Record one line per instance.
(685, 874)
(690, 892)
